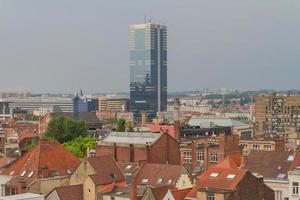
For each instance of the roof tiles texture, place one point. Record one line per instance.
(47, 156)
(107, 170)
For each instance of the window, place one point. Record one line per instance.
(187, 156)
(256, 146)
(214, 157)
(278, 195)
(295, 188)
(210, 196)
(267, 147)
(214, 174)
(200, 156)
(230, 176)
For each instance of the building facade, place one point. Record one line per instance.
(276, 113)
(148, 69)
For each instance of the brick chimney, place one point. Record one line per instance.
(177, 131)
(133, 188)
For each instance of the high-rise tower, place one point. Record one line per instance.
(148, 69)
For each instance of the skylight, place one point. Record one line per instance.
(30, 174)
(145, 180)
(23, 173)
(69, 171)
(230, 176)
(129, 167)
(214, 174)
(281, 176)
(290, 158)
(160, 180)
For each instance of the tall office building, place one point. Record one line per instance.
(148, 69)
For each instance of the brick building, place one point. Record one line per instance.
(227, 181)
(265, 143)
(140, 147)
(199, 154)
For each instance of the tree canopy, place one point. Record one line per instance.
(79, 146)
(64, 129)
(121, 125)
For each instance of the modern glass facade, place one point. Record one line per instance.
(148, 69)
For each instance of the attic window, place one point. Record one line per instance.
(69, 171)
(290, 158)
(129, 167)
(11, 173)
(170, 181)
(23, 173)
(214, 174)
(30, 174)
(230, 176)
(145, 180)
(160, 180)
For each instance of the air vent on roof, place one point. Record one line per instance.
(214, 174)
(11, 173)
(170, 181)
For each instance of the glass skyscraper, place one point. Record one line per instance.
(148, 69)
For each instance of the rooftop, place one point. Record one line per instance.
(212, 122)
(132, 138)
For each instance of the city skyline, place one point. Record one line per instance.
(228, 44)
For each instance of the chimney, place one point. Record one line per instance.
(131, 153)
(133, 188)
(115, 151)
(177, 131)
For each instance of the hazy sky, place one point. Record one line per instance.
(64, 45)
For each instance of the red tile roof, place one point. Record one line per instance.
(159, 128)
(106, 169)
(46, 159)
(153, 172)
(6, 161)
(71, 192)
(180, 194)
(28, 134)
(221, 180)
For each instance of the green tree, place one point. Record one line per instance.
(78, 146)
(130, 128)
(64, 129)
(121, 125)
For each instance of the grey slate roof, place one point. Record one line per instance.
(207, 122)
